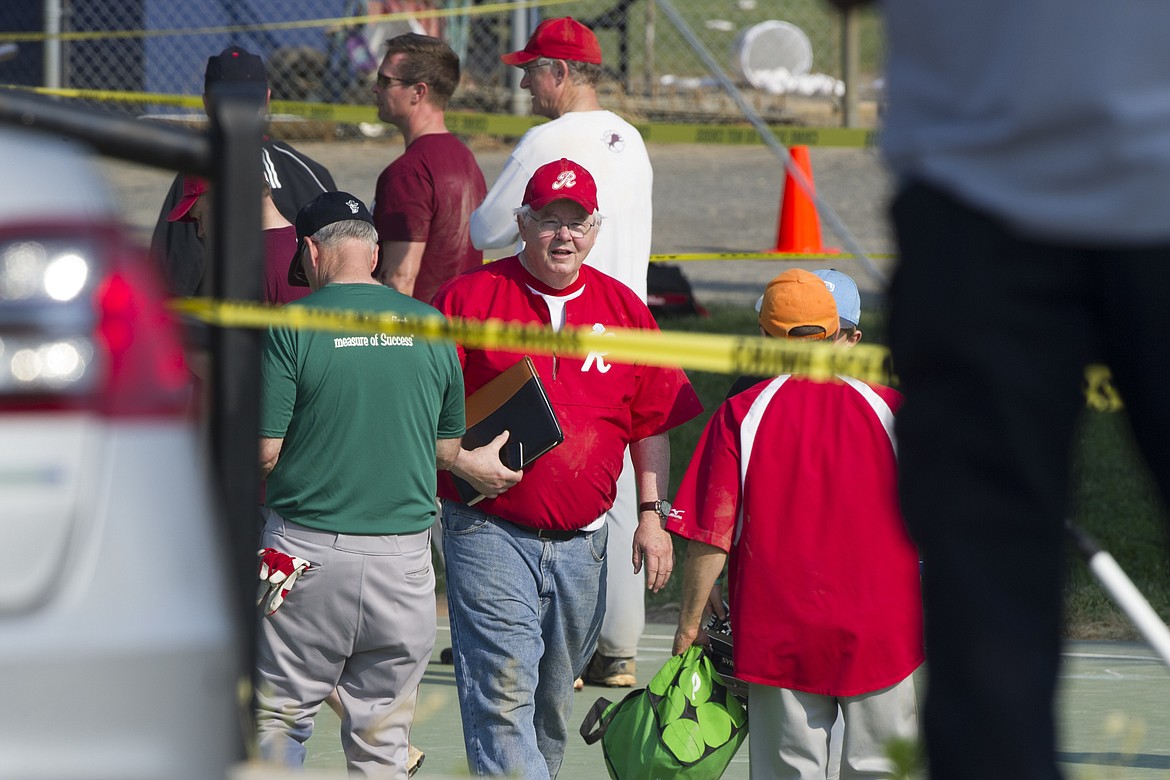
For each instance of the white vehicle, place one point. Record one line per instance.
(118, 651)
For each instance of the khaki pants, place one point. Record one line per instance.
(361, 620)
(625, 594)
(790, 731)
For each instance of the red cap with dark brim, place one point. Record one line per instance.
(193, 187)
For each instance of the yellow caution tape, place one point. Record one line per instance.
(301, 24)
(736, 135)
(714, 353)
(1100, 393)
(695, 351)
(687, 257)
(116, 96)
(503, 125)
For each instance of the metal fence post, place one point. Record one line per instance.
(651, 84)
(850, 67)
(52, 47)
(520, 102)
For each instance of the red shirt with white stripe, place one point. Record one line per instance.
(602, 406)
(797, 480)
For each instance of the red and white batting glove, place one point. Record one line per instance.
(278, 573)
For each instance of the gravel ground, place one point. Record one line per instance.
(706, 199)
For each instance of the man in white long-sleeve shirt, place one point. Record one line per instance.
(562, 65)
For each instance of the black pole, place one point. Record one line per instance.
(174, 148)
(236, 112)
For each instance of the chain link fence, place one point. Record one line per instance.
(785, 54)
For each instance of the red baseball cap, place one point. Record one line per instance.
(558, 39)
(561, 180)
(193, 187)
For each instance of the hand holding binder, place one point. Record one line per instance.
(516, 402)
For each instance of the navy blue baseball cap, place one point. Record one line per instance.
(235, 65)
(323, 210)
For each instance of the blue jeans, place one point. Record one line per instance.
(525, 614)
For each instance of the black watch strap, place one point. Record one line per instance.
(660, 506)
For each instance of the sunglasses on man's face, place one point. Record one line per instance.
(385, 81)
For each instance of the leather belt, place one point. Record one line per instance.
(544, 534)
(554, 535)
(548, 534)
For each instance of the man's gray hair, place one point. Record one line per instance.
(584, 73)
(334, 235)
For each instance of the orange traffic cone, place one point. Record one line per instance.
(799, 230)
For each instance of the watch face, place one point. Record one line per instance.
(664, 508)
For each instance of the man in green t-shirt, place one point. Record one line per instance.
(353, 426)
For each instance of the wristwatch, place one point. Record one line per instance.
(661, 506)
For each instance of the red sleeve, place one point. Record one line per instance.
(706, 506)
(445, 301)
(663, 397)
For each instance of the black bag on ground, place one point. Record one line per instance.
(669, 293)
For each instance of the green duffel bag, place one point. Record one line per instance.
(685, 724)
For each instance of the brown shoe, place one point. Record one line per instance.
(610, 672)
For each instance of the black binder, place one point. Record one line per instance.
(514, 401)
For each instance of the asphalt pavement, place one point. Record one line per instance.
(1113, 719)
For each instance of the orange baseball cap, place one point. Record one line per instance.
(798, 298)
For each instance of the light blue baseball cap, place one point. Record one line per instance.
(844, 291)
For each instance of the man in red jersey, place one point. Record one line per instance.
(794, 485)
(526, 567)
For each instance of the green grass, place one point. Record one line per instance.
(1115, 501)
(1113, 495)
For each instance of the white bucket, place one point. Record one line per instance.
(767, 49)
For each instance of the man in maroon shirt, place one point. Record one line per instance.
(423, 200)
